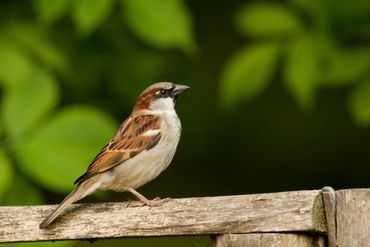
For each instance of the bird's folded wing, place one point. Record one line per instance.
(136, 134)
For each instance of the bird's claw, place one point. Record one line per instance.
(151, 203)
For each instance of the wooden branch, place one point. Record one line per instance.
(296, 211)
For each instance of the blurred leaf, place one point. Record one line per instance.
(50, 11)
(6, 175)
(25, 105)
(65, 147)
(32, 40)
(248, 73)
(2, 129)
(347, 65)
(350, 20)
(140, 67)
(161, 23)
(89, 14)
(359, 103)
(303, 4)
(23, 192)
(266, 19)
(301, 72)
(41, 244)
(15, 66)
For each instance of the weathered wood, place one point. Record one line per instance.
(269, 240)
(320, 241)
(275, 212)
(353, 218)
(329, 199)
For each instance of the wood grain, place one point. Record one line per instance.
(269, 240)
(353, 218)
(329, 200)
(298, 211)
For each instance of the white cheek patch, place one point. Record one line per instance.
(162, 104)
(151, 132)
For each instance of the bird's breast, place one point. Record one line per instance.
(147, 165)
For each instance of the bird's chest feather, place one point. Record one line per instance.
(147, 165)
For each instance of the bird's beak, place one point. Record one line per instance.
(179, 89)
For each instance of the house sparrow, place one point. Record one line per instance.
(139, 151)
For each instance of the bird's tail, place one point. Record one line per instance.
(78, 193)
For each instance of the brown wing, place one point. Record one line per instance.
(128, 142)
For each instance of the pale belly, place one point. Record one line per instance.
(146, 166)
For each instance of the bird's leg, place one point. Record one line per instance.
(152, 203)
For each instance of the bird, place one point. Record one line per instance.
(142, 148)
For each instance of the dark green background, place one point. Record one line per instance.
(279, 98)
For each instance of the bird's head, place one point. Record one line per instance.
(160, 96)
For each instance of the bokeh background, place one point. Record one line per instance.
(279, 99)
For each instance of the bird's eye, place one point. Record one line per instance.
(163, 92)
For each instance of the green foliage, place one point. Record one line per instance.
(22, 192)
(34, 42)
(347, 66)
(6, 173)
(161, 23)
(316, 54)
(15, 66)
(64, 147)
(248, 73)
(302, 71)
(266, 19)
(50, 11)
(41, 244)
(359, 103)
(89, 14)
(19, 114)
(40, 57)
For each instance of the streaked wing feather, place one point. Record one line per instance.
(127, 142)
